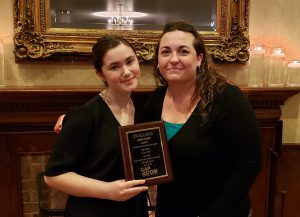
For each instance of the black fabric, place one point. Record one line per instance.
(214, 164)
(89, 145)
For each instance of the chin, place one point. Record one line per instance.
(131, 87)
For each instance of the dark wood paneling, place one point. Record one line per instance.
(262, 192)
(288, 182)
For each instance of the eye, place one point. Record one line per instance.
(184, 52)
(130, 61)
(114, 67)
(164, 52)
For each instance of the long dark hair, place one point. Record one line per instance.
(209, 82)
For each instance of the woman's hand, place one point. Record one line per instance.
(122, 190)
(58, 124)
(80, 186)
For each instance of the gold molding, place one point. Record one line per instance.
(35, 41)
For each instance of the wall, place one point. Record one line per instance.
(272, 22)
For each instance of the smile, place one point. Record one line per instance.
(127, 80)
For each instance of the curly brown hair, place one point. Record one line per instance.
(209, 82)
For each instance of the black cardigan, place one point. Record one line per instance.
(214, 164)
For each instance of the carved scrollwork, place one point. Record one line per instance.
(35, 40)
(144, 51)
(32, 44)
(232, 49)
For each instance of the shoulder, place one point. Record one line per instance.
(159, 92)
(84, 114)
(231, 91)
(231, 94)
(231, 99)
(157, 96)
(152, 109)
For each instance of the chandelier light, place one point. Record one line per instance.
(120, 17)
(120, 20)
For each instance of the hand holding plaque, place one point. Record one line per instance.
(146, 153)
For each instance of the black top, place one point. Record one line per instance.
(214, 164)
(89, 145)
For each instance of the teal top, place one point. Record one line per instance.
(171, 129)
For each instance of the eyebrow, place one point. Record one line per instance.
(180, 47)
(116, 63)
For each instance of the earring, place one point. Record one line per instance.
(157, 70)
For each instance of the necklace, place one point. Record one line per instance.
(104, 96)
(124, 114)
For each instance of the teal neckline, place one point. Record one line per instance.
(172, 129)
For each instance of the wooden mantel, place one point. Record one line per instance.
(265, 101)
(27, 117)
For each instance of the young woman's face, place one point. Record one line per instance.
(177, 57)
(121, 69)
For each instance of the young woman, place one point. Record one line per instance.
(212, 131)
(87, 161)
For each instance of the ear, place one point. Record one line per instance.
(101, 76)
(200, 58)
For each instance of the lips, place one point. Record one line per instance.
(173, 68)
(127, 80)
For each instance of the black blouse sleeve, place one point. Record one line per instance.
(72, 144)
(240, 131)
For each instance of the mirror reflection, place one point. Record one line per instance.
(132, 14)
(64, 31)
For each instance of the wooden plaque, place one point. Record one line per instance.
(146, 153)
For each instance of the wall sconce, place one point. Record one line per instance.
(2, 75)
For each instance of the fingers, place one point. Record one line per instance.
(58, 124)
(133, 183)
(131, 188)
(131, 192)
(136, 186)
(57, 128)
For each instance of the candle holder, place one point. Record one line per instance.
(257, 63)
(293, 73)
(276, 67)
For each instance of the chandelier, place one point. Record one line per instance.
(119, 17)
(120, 20)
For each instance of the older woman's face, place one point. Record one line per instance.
(177, 57)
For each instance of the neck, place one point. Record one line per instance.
(120, 104)
(181, 91)
(119, 99)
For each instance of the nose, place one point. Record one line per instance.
(126, 71)
(174, 58)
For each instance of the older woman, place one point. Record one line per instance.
(212, 131)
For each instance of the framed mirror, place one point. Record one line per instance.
(65, 31)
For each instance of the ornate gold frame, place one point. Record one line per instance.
(35, 41)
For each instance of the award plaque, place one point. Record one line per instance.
(146, 153)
